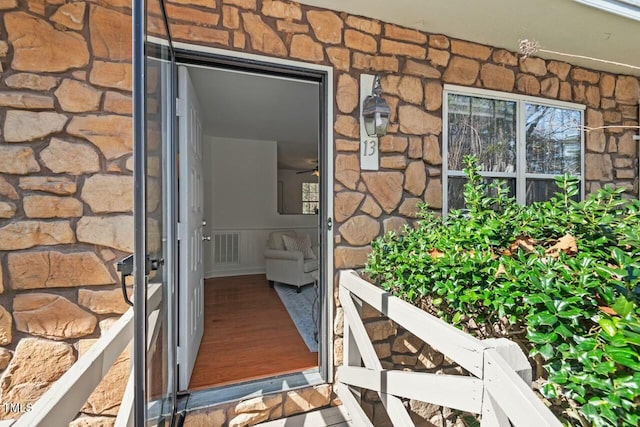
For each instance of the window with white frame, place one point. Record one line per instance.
(522, 140)
(310, 198)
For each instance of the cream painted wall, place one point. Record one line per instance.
(292, 189)
(240, 195)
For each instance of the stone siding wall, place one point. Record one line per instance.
(414, 67)
(65, 192)
(65, 148)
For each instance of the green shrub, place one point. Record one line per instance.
(560, 277)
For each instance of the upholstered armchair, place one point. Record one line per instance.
(288, 266)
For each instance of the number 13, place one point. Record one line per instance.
(369, 148)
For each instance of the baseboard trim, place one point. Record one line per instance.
(238, 272)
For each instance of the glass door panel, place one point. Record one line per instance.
(154, 213)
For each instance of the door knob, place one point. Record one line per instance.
(207, 238)
(204, 222)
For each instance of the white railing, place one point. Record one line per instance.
(499, 388)
(59, 405)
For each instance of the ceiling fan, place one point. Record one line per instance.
(313, 171)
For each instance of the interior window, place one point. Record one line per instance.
(310, 198)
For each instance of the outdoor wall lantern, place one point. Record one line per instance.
(375, 111)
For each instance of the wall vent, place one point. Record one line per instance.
(226, 248)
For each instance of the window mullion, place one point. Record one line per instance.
(445, 152)
(521, 153)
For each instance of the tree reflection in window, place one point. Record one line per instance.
(484, 128)
(553, 140)
(524, 143)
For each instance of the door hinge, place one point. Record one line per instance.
(181, 231)
(181, 108)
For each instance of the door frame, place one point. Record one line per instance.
(187, 53)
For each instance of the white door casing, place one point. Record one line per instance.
(327, 174)
(191, 280)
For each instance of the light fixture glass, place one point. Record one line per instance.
(375, 111)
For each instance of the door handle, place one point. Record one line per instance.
(329, 223)
(206, 238)
(125, 267)
(204, 222)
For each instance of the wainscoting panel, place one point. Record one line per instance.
(237, 252)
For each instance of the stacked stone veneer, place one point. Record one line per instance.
(65, 192)
(414, 65)
(65, 151)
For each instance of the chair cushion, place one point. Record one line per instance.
(299, 244)
(310, 265)
(275, 239)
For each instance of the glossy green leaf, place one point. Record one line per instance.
(563, 331)
(542, 338)
(605, 368)
(548, 390)
(619, 256)
(624, 356)
(608, 326)
(544, 318)
(456, 318)
(546, 351)
(623, 307)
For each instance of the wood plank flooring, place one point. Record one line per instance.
(248, 334)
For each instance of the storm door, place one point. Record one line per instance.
(154, 260)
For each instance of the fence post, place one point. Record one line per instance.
(513, 355)
(492, 414)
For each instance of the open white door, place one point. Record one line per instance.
(191, 322)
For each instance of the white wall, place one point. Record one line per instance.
(292, 189)
(240, 195)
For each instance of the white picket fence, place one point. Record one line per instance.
(59, 405)
(499, 388)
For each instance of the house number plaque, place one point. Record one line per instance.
(369, 153)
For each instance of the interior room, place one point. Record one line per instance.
(260, 137)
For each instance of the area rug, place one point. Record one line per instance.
(300, 307)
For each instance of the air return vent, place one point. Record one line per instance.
(226, 248)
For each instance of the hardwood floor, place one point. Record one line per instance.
(248, 334)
